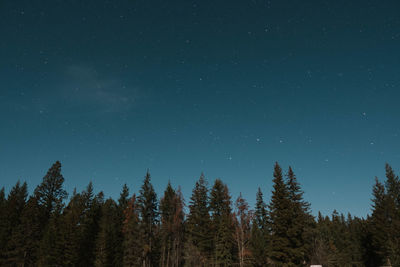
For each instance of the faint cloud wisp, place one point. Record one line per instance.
(84, 86)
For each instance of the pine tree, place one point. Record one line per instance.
(50, 193)
(23, 246)
(122, 205)
(90, 226)
(301, 223)
(171, 209)
(393, 204)
(107, 238)
(242, 219)
(51, 246)
(280, 220)
(198, 248)
(357, 233)
(320, 243)
(149, 220)
(71, 229)
(178, 229)
(13, 208)
(222, 224)
(132, 243)
(385, 220)
(260, 232)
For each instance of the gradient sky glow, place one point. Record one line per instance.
(111, 88)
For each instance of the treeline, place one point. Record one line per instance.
(141, 229)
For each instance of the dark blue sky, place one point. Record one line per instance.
(111, 88)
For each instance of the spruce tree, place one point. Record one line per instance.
(393, 204)
(260, 232)
(280, 219)
(71, 229)
(50, 193)
(242, 220)
(121, 207)
(198, 248)
(90, 225)
(222, 224)
(107, 238)
(51, 246)
(385, 219)
(171, 232)
(23, 247)
(148, 205)
(300, 224)
(11, 218)
(132, 242)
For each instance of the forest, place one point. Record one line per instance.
(50, 228)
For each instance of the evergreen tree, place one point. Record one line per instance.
(108, 237)
(132, 243)
(385, 220)
(171, 209)
(122, 205)
(242, 218)
(222, 224)
(90, 226)
(12, 210)
(50, 193)
(260, 232)
(23, 246)
(300, 225)
(148, 205)
(393, 205)
(198, 248)
(71, 229)
(51, 246)
(280, 219)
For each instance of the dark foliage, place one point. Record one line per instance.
(46, 230)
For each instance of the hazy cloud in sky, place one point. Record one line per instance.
(85, 86)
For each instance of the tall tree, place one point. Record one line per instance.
(71, 229)
(280, 220)
(90, 226)
(198, 248)
(242, 219)
(300, 227)
(260, 232)
(107, 238)
(50, 193)
(23, 246)
(222, 224)
(385, 219)
(171, 209)
(12, 208)
(132, 242)
(148, 205)
(51, 246)
(121, 207)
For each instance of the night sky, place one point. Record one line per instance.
(113, 88)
